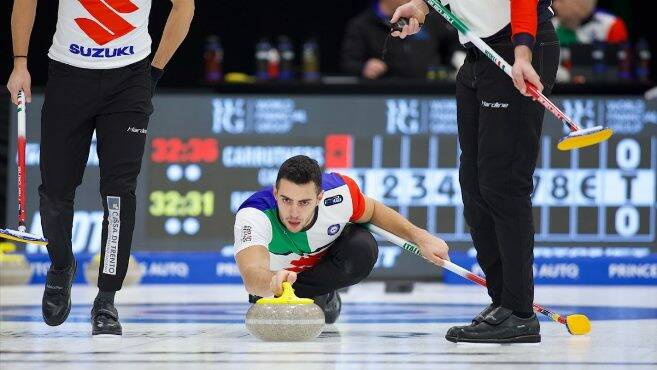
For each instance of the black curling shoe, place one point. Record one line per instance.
(498, 326)
(331, 304)
(105, 319)
(56, 301)
(476, 320)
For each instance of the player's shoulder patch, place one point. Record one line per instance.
(333, 200)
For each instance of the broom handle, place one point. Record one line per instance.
(21, 161)
(454, 268)
(500, 62)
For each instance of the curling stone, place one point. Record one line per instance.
(286, 318)
(132, 277)
(14, 267)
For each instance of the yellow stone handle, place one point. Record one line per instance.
(287, 297)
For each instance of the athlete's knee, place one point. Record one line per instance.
(118, 185)
(54, 203)
(362, 253)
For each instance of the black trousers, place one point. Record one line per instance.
(499, 133)
(349, 260)
(116, 103)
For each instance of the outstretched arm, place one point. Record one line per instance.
(253, 263)
(432, 248)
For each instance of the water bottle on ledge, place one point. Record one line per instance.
(599, 65)
(644, 56)
(262, 59)
(286, 49)
(624, 62)
(273, 64)
(213, 60)
(310, 56)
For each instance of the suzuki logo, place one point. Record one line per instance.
(108, 25)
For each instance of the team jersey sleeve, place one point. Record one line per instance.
(524, 21)
(252, 227)
(357, 198)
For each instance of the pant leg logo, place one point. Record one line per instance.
(113, 230)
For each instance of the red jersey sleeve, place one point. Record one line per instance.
(357, 198)
(524, 20)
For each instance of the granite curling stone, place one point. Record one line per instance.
(286, 318)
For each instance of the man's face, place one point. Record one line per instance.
(296, 203)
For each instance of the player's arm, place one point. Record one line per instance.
(524, 19)
(252, 235)
(253, 263)
(377, 213)
(22, 20)
(175, 31)
(366, 209)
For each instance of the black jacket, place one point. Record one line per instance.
(409, 58)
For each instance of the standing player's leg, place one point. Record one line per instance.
(475, 210)
(510, 129)
(66, 132)
(348, 260)
(121, 135)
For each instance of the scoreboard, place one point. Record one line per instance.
(206, 154)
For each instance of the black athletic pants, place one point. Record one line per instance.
(348, 261)
(499, 133)
(116, 103)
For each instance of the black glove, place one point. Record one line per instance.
(156, 73)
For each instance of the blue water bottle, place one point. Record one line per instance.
(286, 50)
(262, 59)
(643, 57)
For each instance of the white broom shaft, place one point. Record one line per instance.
(414, 249)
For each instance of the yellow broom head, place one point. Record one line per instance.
(22, 237)
(585, 137)
(578, 324)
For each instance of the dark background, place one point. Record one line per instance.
(239, 24)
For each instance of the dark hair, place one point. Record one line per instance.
(301, 170)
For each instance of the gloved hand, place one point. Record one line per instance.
(156, 74)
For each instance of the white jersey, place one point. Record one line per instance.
(486, 18)
(99, 34)
(257, 223)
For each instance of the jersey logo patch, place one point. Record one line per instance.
(336, 199)
(333, 229)
(246, 234)
(108, 25)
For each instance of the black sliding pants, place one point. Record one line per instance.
(116, 103)
(499, 133)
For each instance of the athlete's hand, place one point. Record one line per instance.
(20, 80)
(415, 11)
(276, 284)
(522, 70)
(434, 249)
(374, 68)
